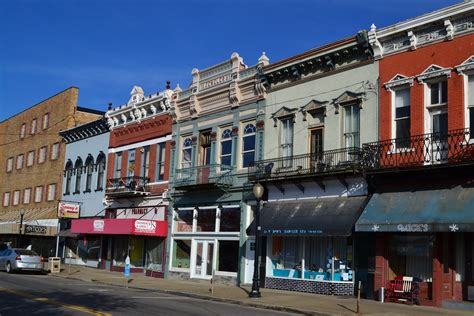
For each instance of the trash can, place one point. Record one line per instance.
(382, 295)
(54, 264)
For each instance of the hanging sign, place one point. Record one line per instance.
(68, 210)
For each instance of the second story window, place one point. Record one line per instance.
(45, 120)
(34, 125)
(78, 166)
(19, 161)
(248, 145)
(351, 125)
(402, 117)
(286, 137)
(131, 163)
(30, 160)
(226, 147)
(23, 130)
(10, 164)
(470, 104)
(145, 161)
(438, 92)
(187, 152)
(100, 171)
(89, 170)
(27, 196)
(38, 194)
(16, 197)
(42, 154)
(160, 162)
(6, 199)
(51, 192)
(68, 173)
(55, 151)
(118, 165)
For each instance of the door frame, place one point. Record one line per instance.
(194, 244)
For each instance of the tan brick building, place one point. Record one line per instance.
(31, 168)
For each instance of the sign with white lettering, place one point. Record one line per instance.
(142, 226)
(36, 230)
(418, 228)
(99, 225)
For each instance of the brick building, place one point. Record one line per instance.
(32, 160)
(134, 222)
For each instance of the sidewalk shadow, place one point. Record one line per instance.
(349, 309)
(245, 290)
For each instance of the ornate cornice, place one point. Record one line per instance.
(85, 131)
(433, 71)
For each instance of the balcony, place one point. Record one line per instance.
(420, 151)
(197, 177)
(128, 186)
(338, 161)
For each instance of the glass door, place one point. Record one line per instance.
(204, 157)
(439, 146)
(316, 150)
(203, 259)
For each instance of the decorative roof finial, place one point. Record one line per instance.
(110, 106)
(264, 59)
(168, 85)
(373, 27)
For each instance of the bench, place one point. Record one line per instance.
(403, 289)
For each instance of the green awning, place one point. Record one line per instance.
(447, 210)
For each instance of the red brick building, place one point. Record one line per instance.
(421, 213)
(135, 222)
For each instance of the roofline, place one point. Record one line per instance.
(89, 110)
(310, 52)
(54, 95)
(84, 125)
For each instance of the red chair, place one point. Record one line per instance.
(403, 289)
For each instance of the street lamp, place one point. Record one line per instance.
(258, 193)
(22, 213)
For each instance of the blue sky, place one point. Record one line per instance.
(104, 47)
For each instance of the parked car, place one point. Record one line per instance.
(15, 259)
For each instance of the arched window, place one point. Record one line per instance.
(187, 153)
(100, 163)
(89, 170)
(68, 174)
(248, 145)
(78, 169)
(226, 147)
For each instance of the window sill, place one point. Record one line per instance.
(400, 150)
(436, 106)
(99, 190)
(67, 193)
(76, 192)
(86, 191)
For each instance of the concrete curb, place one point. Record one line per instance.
(206, 297)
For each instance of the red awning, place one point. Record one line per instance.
(127, 226)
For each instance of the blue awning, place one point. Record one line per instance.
(447, 210)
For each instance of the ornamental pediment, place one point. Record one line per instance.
(283, 112)
(467, 65)
(433, 71)
(398, 80)
(314, 107)
(348, 97)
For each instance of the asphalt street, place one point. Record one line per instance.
(33, 294)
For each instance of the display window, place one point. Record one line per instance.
(183, 221)
(181, 254)
(228, 256)
(154, 254)
(120, 250)
(136, 248)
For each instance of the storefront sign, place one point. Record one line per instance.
(36, 230)
(99, 225)
(68, 210)
(292, 232)
(142, 226)
(418, 228)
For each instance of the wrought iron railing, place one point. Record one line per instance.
(128, 184)
(217, 174)
(325, 162)
(455, 147)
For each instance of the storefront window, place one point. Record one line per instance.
(230, 220)
(228, 259)
(181, 253)
(206, 220)
(120, 251)
(315, 258)
(45, 247)
(184, 221)
(93, 248)
(411, 255)
(137, 246)
(154, 254)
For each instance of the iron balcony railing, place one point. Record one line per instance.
(128, 184)
(216, 174)
(325, 162)
(454, 147)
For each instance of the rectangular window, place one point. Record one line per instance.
(160, 162)
(439, 92)
(30, 158)
(23, 130)
(131, 163)
(27, 196)
(286, 138)
(145, 161)
(6, 199)
(228, 255)
(470, 105)
(34, 123)
(154, 254)
(183, 221)
(351, 125)
(16, 197)
(187, 153)
(226, 147)
(51, 192)
(10, 164)
(42, 154)
(206, 220)
(118, 165)
(45, 120)
(38, 194)
(248, 145)
(402, 117)
(19, 161)
(229, 220)
(55, 151)
(181, 254)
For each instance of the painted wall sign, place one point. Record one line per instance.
(68, 210)
(99, 225)
(36, 230)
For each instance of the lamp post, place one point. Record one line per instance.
(258, 193)
(22, 213)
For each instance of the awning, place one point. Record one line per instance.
(67, 234)
(448, 210)
(321, 217)
(116, 226)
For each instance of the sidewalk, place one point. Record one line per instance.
(310, 304)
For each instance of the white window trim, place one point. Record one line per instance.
(15, 196)
(33, 152)
(45, 154)
(29, 196)
(52, 185)
(240, 159)
(466, 75)
(10, 164)
(170, 263)
(36, 194)
(181, 156)
(6, 198)
(20, 166)
(219, 141)
(429, 108)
